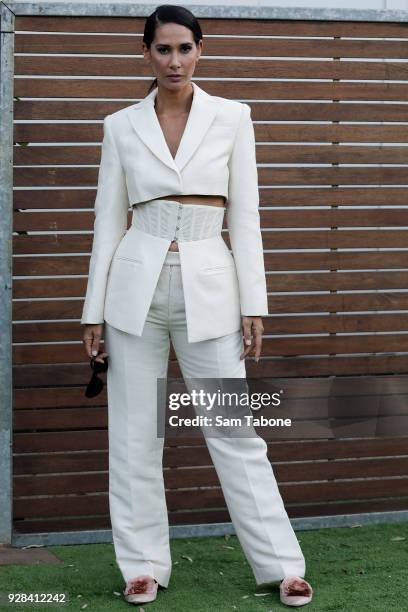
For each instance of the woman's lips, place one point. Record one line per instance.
(174, 77)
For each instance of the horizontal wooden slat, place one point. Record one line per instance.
(52, 243)
(213, 497)
(289, 450)
(83, 221)
(334, 239)
(62, 484)
(264, 132)
(78, 373)
(61, 524)
(63, 177)
(55, 243)
(335, 281)
(307, 413)
(329, 365)
(319, 345)
(254, 47)
(55, 155)
(215, 516)
(279, 324)
(285, 90)
(364, 423)
(264, 27)
(299, 389)
(272, 239)
(332, 281)
(274, 111)
(26, 467)
(212, 68)
(47, 463)
(310, 196)
(265, 154)
(49, 266)
(66, 265)
(26, 310)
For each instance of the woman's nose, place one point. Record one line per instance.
(175, 62)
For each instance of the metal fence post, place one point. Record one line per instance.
(6, 236)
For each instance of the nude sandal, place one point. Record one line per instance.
(141, 589)
(295, 591)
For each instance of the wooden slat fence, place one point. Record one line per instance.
(331, 132)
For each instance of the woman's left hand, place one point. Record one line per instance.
(252, 329)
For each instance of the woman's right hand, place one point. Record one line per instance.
(92, 338)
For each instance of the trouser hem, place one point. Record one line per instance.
(270, 573)
(161, 575)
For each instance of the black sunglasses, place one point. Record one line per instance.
(95, 385)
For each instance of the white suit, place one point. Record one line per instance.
(147, 294)
(216, 156)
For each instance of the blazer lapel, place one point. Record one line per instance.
(147, 126)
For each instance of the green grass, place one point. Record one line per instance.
(351, 569)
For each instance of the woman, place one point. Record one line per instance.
(178, 156)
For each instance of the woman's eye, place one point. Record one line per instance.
(163, 50)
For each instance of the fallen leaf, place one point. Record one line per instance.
(261, 594)
(229, 547)
(116, 593)
(245, 597)
(33, 546)
(397, 539)
(222, 573)
(84, 606)
(187, 557)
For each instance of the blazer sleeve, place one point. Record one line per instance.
(243, 219)
(110, 224)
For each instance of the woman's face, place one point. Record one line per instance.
(173, 52)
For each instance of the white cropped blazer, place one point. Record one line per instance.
(216, 156)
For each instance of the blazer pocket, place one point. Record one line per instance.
(120, 272)
(217, 269)
(135, 261)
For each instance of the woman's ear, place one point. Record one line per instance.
(146, 52)
(199, 48)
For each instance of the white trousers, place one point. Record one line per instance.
(136, 489)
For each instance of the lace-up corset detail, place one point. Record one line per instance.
(176, 221)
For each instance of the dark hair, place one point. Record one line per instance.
(170, 13)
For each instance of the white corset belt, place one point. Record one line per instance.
(208, 273)
(176, 221)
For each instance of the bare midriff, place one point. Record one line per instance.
(193, 199)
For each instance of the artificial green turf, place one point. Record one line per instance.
(350, 568)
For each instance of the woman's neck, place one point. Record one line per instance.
(169, 102)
